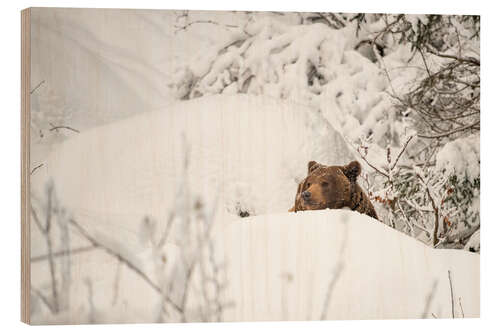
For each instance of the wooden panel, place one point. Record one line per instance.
(25, 163)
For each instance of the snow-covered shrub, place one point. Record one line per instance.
(459, 160)
(309, 64)
(398, 87)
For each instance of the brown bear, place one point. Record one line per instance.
(332, 187)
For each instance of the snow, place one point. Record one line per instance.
(311, 65)
(255, 148)
(384, 274)
(237, 145)
(278, 264)
(279, 267)
(474, 243)
(460, 157)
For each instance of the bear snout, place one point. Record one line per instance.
(306, 195)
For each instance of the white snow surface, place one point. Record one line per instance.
(248, 151)
(243, 153)
(282, 265)
(461, 157)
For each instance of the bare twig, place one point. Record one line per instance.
(42, 298)
(90, 299)
(451, 293)
(461, 308)
(116, 284)
(401, 153)
(166, 232)
(428, 300)
(56, 128)
(337, 271)
(218, 286)
(48, 240)
(37, 220)
(331, 286)
(37, 86)
(435, 208)
(407, 221)
(460, 129)
(377, 55)
(371, 165)
(36, 168)
(63, 253)
(331, 20)
(186, 26)
(470, 60)
(425, 62)
(194, 262)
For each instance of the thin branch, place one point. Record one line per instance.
(470, 60)
(90, 299)
(407, 221)
(50, 257)
(37, 221)
(194, 262)
(116, 283)
(436, 211)
(460, 129)
(451, 293)
(428, 300)
(55, 128)
(425, 62)
(337, 272)
(401, 153)
(36, 168)
(339, 22)
(166, 232)
(63, 253)
(372, 166)
(42, 298)
(37, 86)
(377, 55)
(184, 27)
(331, 286)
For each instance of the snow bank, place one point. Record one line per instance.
(250, 150)
(282, 266)
(330, 264)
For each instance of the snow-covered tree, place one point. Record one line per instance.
(403, 89)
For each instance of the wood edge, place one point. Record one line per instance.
(25, 163)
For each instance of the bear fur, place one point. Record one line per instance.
(333, 187)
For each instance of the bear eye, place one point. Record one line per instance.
(308, 185)
(324, 184)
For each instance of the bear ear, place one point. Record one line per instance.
(352, 170)
(311, 166)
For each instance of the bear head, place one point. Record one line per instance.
(327, 186)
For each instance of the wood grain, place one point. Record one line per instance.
(25, 162)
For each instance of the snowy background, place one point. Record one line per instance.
(167, 147)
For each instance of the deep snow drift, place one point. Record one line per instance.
(234, 155)
(250, 151)
(337, 264)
